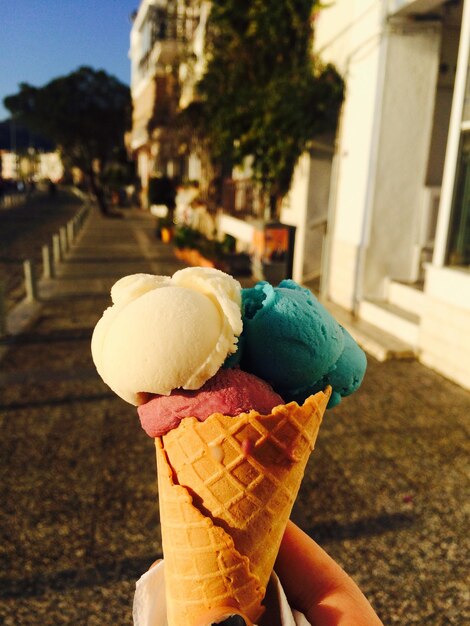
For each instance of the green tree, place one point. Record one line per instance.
(86, 114)
(263, 95)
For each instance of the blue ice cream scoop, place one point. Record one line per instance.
(346, 375)
(290, 340)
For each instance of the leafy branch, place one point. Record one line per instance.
(263, 95)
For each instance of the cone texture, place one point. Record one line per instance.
(226, 490)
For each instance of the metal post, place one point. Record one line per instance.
(70, 233)
(29, 281)
(63, 241)
(3, 311)
(47, 269)
(56, 249)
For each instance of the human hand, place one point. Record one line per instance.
(314, 584)
(317, 586)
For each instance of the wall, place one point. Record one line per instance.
(50, 166)
(445, 323)
(192, 68)
(143, 105)
(9, 165)
(350, 34)
(44, 165)
(135, 50)
(317, 209)
(294, 211)
(411, 72)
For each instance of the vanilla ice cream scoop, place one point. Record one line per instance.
(164, 333)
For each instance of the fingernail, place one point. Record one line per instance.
(231, 620)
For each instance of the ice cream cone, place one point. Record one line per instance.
(226, 489)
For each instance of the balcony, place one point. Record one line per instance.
(165, 33)
(240, 198)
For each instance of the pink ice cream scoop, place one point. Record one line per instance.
(230, 392)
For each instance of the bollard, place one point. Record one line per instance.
(63, 241)
(56, 249)
(3, 311)
(70, 233)
(29, 280)
(47, 269)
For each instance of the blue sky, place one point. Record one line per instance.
(43, 39)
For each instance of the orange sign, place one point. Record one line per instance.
(271, 244)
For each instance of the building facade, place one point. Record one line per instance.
(396, 251)
(165, 54)
(381, 210)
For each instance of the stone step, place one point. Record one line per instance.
(406, 296)
(373, 340)
(391, 319)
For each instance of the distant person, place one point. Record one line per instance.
(51, 188)
(30, 187)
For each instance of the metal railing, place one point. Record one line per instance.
(240, 198)
(10, 200)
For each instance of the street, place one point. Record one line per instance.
(385, 492)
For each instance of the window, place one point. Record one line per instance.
(459, 239)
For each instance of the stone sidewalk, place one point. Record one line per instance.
(386, 491)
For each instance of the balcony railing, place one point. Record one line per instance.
(240, 198)
(166, 32)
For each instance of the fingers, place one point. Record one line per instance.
(316, 585)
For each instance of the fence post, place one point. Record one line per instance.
(63, 241)
(3, 311)
(56, 249)
(47, 269)
(30, 281)
(70, 233)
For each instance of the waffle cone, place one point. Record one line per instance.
(226, 489)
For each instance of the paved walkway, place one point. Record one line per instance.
(386, 491)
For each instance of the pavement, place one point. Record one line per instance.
(386, 491)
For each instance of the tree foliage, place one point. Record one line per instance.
(262, 93)
(85, 114)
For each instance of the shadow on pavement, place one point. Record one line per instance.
(102, 573)
(364, 527)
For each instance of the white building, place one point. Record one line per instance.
(159, 39)
(394, 191)
(382, 211)
(37, 166)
